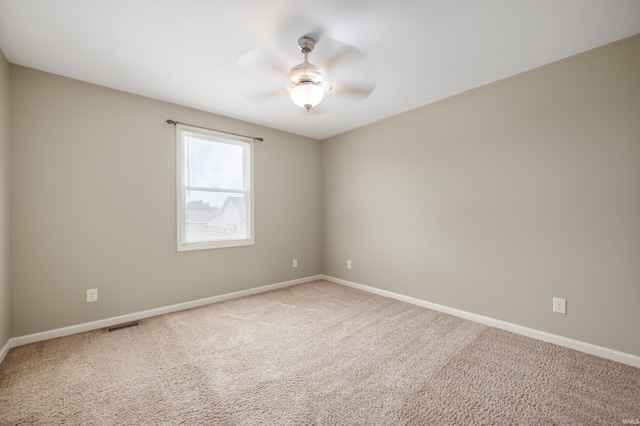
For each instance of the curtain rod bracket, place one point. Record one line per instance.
(174, 122)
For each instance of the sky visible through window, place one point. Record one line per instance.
(212, 165)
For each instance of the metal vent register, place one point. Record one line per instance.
(123, 325)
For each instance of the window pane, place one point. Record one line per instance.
(215, 216)
(211, 164)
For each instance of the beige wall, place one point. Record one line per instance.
(93, 206)
(5, 291)
(492, 201)
(498, 199)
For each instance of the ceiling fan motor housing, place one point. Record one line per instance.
(306, 73)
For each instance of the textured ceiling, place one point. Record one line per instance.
(220, 56)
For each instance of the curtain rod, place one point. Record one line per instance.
(174, 122)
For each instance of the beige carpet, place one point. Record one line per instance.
(312, 354)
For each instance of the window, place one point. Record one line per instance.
(215, 189)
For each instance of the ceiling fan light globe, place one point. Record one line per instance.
(306, 95)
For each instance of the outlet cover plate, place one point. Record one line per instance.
(92, 295)
(559, 305)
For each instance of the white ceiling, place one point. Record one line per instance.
(417, 51)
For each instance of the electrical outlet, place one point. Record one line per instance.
(295, 263)
(559, 305)
(348, 264)
(92, 295)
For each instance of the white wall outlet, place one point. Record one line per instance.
(348, 264)
(92, 295)
(559, 305)
(295, 263)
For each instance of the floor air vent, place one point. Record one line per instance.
(124, 325)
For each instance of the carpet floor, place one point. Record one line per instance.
(312, 354)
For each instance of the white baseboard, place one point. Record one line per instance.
(589, 348)
(5, 350)
(108, 322)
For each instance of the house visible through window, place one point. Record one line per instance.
(215, 190)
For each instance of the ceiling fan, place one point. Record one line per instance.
(310, 82)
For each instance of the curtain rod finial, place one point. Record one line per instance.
(171, 122)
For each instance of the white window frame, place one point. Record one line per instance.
(182, 245)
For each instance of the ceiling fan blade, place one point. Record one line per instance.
(349, 72)
(344, 59)
(258, 58)
(358, 91)
(265, 96)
